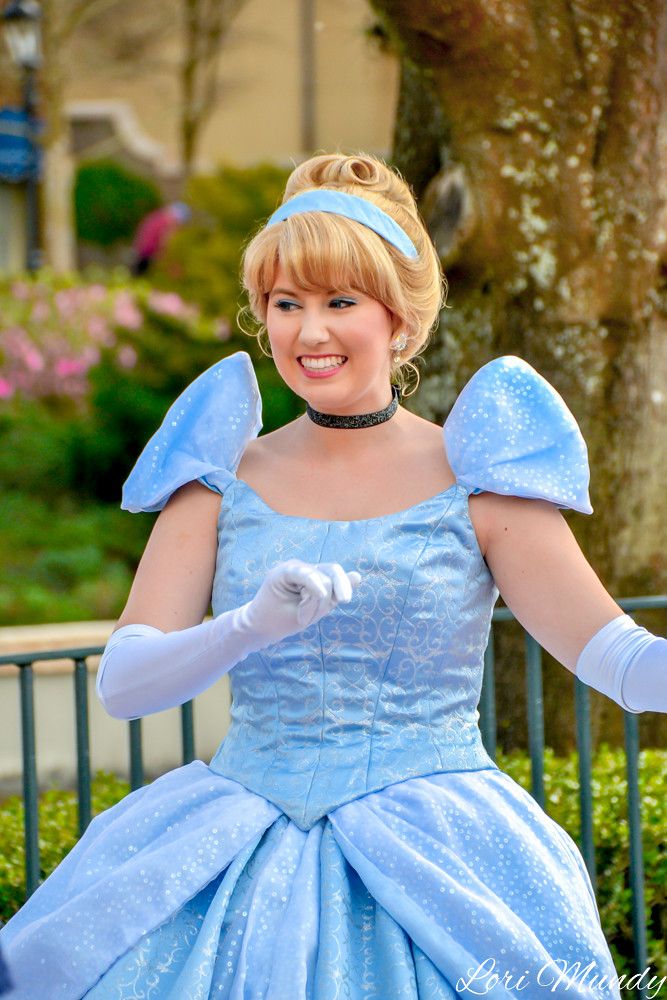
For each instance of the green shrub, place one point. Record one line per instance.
(87, 371)
(62, 561)
(58, 835)
(202, 260)
(110, 201)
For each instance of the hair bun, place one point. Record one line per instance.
(336, 170)
(360, 171)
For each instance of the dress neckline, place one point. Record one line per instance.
(454, 488)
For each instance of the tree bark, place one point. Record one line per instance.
(545, 211)
(56, 188)
(420, 131)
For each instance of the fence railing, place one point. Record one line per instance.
(533, 665)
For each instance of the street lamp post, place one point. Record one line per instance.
(21, 20)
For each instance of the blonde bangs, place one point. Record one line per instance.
(322, 251)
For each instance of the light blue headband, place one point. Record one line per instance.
(351, 207)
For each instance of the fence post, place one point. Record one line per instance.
(535, 718)
(582, 704)
(136, 755)
(488, 701)
(30, 808)
(188, 732)
(82, 743)
(631, 727)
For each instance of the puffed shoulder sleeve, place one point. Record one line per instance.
(202, 436)
(510, 432)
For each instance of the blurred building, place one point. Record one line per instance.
(294, 78)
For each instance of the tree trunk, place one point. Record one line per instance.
(205, 24)
(57, 193)
(60, 21)
(58, 240)
(420, 131)
(545, 213)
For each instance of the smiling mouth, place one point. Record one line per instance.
(318, 363)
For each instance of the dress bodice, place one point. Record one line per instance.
(386, 687)
(381, 689)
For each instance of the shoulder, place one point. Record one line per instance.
(187, 526)
(173, 584)
(270, 448)
(191, 510)
(192, 495)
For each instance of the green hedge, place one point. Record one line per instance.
(62, 561)
(58, 835)
(110, 201)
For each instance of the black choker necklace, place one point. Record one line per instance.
(356, 419)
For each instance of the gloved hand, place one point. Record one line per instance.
(144, 669)
(294, 595)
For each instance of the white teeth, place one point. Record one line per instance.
(330, 362)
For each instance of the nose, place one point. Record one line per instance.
(314, 329)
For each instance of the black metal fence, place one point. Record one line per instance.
(533, 665)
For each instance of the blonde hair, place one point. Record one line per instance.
(321, 250)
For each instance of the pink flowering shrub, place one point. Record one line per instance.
(89, 368)
(52, 333)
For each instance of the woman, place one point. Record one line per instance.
(351, 837)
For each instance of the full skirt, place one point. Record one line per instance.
(452, 885)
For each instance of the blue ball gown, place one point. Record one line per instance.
(351, 838)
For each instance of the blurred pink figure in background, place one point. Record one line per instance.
(153, 232)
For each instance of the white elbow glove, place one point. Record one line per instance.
(144, 669)
(628, 664)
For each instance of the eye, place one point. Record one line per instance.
(285, 305)
(342, 303)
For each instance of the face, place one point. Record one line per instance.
(331, 347)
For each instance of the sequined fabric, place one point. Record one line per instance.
(510, 432)
(351, 839)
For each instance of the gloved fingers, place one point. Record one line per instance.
(299, 576)
(316, 595)
(312, 608)
(294, 572)
(320, 586)
(342, 586)
(308, 611)
(343, 583)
